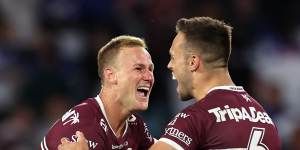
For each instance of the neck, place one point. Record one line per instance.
(115, 113)
(201, 84)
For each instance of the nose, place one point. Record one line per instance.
(169, 66)
(148, 75)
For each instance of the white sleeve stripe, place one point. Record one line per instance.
(44, 144)
(172, 143)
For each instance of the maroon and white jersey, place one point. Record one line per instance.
(227, 118)
(90, 118)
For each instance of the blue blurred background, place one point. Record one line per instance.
(48, 51)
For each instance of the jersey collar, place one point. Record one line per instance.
(98, 99)
(230, 88)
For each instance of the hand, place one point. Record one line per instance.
(81, 143)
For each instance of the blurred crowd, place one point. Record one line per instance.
(48, 51)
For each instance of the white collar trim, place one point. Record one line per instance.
(98, 99)
(231, 88)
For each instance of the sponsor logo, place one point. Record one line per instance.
(179, 135)
(91, 144)
(246, 97)
(238, 114)
(132, 118)
(236, 88)
(120, 146)
(179, 115)
(103, 124)
(71, 117)
(146, 131)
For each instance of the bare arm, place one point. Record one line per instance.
(161, 146)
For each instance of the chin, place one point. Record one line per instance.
(185, 97)
(142, 106)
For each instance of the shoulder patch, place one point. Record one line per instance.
(71, 117)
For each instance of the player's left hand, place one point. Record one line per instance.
(79, 145)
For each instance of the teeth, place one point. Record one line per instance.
(173, 76)
(144, 88)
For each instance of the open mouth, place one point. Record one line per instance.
(173, 76)
(143, 91)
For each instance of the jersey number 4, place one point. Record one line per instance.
(255, 139)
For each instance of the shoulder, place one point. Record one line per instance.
(192, 115)
(187, 128)
(82, 112)
(194, 111)
(79, 113)
(88, 107)
(82, 117)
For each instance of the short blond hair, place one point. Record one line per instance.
(107, 54)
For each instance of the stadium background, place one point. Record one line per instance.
(48, 54)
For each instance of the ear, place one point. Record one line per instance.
(110, 75)
(194, 63)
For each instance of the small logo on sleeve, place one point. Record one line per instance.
(71, 117)
(179, 115)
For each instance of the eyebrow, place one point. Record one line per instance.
(144, 66)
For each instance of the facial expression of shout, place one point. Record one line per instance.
(135, 77)
(178, 66)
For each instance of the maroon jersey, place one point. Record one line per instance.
(226, 118)
(90, 118)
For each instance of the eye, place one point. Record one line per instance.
(151, 69)
(171, 57)
(138, 68)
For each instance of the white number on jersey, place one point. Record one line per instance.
(256, 136)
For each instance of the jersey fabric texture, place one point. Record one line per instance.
(226, 118)
(90, 118)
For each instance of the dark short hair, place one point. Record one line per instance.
(210, 38)
(107, 54)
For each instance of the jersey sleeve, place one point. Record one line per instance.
(79, 118)
(183, 131)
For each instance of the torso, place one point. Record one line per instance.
(90, 118)
(227, 118)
